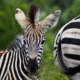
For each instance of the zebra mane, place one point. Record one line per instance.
(34, 13)
(17, 43)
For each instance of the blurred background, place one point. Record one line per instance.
(9, 28)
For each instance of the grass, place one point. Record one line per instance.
(49, 71)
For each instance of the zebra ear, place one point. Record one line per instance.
(51, 20)
(21, 18)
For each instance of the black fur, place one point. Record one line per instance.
(32, 65)
(72, 25)
(71, 41)
(32, 12)
(77, 17)
(72, 56)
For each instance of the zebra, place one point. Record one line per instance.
(67, 49)
(22, 60)
(2, 51)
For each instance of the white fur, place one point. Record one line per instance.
(68, 48)
(21, 18)
(37, 17)
(75, 77)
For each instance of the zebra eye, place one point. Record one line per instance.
(42, 41)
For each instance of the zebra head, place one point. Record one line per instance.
(34, 34)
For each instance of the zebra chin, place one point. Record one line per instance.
(33, 66)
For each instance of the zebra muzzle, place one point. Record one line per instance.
(32, 65)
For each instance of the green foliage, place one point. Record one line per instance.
(49, 71)
(9, 28)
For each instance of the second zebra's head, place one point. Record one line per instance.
(34, 34)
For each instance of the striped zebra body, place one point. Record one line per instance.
(15, 62)
(14, 66)
(22, 60)
(67, 49)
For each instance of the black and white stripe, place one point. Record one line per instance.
(67, 49)
(14, 63)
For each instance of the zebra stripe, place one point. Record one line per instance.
(13, 67)
(67, 49)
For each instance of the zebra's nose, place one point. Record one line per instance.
(32, 57)
(32, 65)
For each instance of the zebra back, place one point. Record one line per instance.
(66, 49)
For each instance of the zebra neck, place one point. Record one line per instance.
(24, 65)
